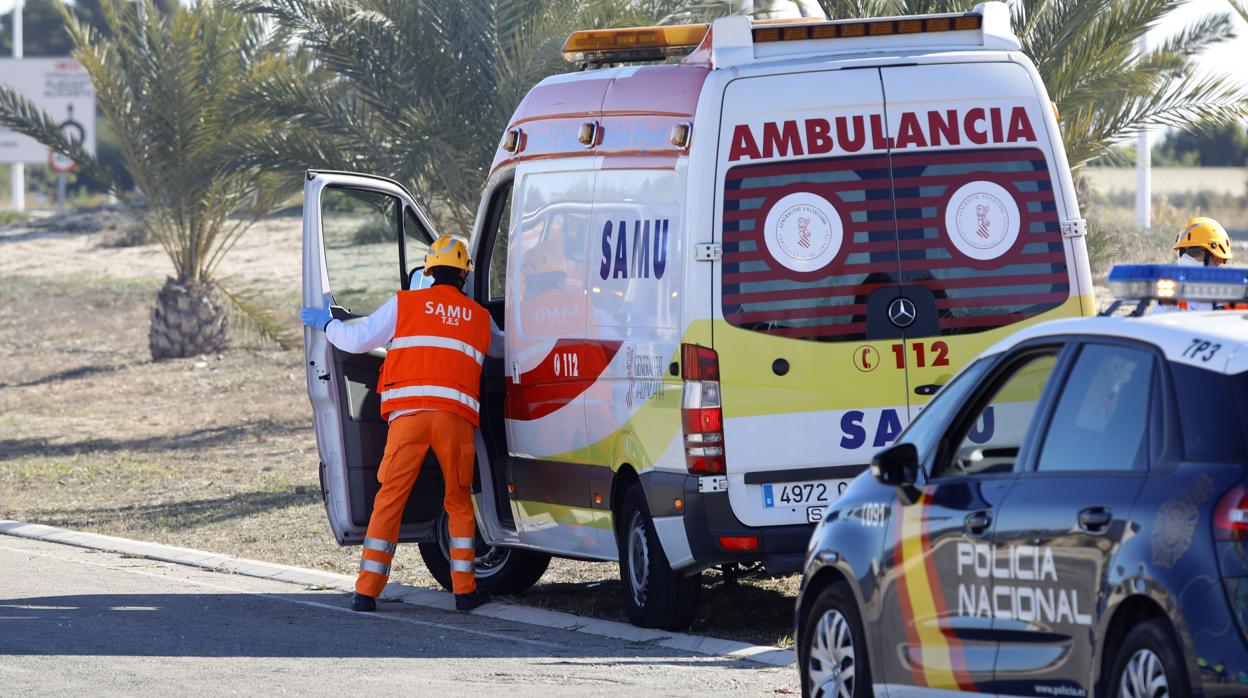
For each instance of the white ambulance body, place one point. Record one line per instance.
(725, 283)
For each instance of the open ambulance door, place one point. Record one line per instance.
(362, 236)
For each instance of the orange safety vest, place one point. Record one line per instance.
(434, 363)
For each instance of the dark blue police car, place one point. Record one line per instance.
(1067, 517)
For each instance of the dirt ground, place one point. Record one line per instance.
(215, 452)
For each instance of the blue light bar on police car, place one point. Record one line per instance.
(1171, 282)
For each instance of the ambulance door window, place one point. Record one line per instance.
(1059, 526)
(416, 239)
(360, 230)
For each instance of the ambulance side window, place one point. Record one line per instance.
(992, 442)
(500, 212)
(360, 230)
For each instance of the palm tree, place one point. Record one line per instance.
(168, 84)
(420, 90)
(1106, 90)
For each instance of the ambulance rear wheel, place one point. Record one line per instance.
(499, 570)
(655, 595)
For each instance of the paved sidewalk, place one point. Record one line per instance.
(315, 579)
(81, 621)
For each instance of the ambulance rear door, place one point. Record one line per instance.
(362, 235)
(978, 175)
(808, 273)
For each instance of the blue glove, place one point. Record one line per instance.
(316, 318)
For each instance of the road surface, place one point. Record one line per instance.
(82, 622)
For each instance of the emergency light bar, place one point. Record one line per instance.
(1171, 282)
(843, 29)
(633, 43)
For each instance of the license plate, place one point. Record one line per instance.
(795, 494)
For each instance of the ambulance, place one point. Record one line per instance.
(729, 269)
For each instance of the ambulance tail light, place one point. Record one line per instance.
(739, 543)
(702, 411)
(1230, 517)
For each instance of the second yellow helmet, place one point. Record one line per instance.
(1207, 234)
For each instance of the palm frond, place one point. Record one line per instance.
(253, 315)
(22, 116)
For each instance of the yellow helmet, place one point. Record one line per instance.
(1207, 234)
(447, 252)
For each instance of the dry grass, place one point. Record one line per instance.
(216, 452)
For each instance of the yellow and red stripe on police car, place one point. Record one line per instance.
(933, 651)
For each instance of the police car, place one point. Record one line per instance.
(1067, 517)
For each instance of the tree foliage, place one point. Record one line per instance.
(419, 90)
(1220, 145)
(170, 86)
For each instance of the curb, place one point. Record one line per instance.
(394, 591)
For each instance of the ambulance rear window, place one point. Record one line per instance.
(884, 243)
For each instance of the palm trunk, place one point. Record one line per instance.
(189, 319)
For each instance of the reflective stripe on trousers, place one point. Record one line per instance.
(410, 438)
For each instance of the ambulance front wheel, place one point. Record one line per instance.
(499, 570)
(655, 595)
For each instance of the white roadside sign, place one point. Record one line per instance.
(60, 87)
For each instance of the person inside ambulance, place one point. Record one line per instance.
(1203, 243)
(429, 387)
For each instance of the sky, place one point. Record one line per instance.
(1230, 56)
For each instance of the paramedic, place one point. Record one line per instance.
(429, 387)
(1202, 243)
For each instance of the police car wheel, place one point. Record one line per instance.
(833, 650)
(1147, 665)
(498, 570)
(655, 595)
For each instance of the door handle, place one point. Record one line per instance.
(1095, 519)
(927, 389)
(977, 523)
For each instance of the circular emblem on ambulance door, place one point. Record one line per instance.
(982, 220)
(803, 232)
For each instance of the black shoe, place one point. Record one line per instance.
(467, 602)
(363, 603)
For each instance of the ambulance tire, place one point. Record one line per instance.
(833, 634)
(655, 595)
(500, 571)
(1148, 658)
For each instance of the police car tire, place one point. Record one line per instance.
(519, 571)
(840, 598)
(671, 601)
(1154, 636)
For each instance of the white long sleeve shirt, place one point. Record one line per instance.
(359, 335)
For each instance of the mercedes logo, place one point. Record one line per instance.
(901, 312)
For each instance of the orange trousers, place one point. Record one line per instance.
(409, 439)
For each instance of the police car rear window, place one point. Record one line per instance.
(1213, 414)
(781, 278)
